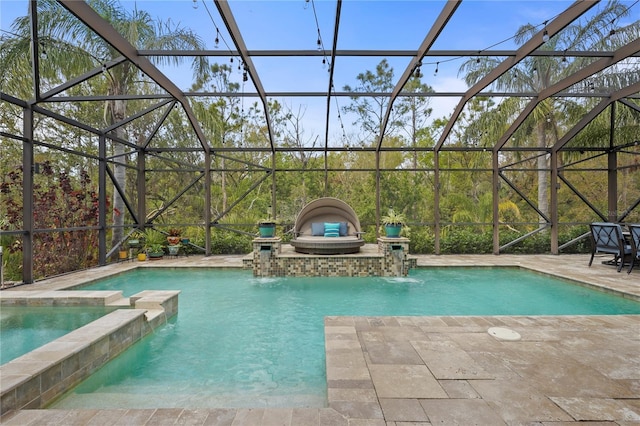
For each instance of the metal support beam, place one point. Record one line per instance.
(555, 26)
(86, 14)
(593, 68)
(436, 200)
(554, 202)
(612, 170)
(495, 188)
(27, 196)
(332, 62)
(207, 203)
(35, 49)
(274, 199)
(378, 193)
(102, 200)
(238, 41)
(447, 12)
(141, 189)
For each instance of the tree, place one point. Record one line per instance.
(536, 73)
(370, 110)
(221, 117)
(72, 48)
(417, 112)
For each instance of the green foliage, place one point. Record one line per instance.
(393, 218)
(466, 241)
(230, 243)
(61, 200)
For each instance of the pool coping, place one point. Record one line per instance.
(360, 400)
(38, 377)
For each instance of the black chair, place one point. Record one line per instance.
(607, 237)
(634, 234)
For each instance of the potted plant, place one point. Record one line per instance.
(155, 251)
(123, 253)
(174, 236)
(155, 241)
(137, 239)
(267, 228)
(393, 223)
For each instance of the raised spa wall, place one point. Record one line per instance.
(389, 258)
(39, 377)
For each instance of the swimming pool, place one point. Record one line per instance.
(23, 329)
(241, 341)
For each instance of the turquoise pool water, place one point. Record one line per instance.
(241, 341)
(23, 329)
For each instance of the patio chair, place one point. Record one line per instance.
(634, 236)
(607, 237)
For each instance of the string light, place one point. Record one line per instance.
(43, 51)
(435, 73)
(217, 41)
(195, 4)
(417, 73)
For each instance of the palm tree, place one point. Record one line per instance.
(73, 48)
(536, 73)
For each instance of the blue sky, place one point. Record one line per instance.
(291, 24)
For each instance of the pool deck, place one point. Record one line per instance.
(449, 370)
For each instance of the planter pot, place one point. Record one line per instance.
(136, 243)
(393, 231)
(185, 241)
(123, 255)
(173, 250)
(267, 230)
(173, 240)
(155, 256)
(142, 257)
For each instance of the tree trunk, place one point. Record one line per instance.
(543, 183)
(119, 172)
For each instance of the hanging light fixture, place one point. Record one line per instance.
(613, 29)
(545, 36)
(43, 51)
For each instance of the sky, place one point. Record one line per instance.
(368, 25)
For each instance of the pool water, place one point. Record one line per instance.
(244, 341)
(23, 329)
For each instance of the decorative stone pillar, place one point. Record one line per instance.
(394, 251)
(265, 256)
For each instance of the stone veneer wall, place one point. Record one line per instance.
(39, 377)
(391, 260)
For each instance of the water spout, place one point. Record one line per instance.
(265, 261)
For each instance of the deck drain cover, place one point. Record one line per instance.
(502, 333)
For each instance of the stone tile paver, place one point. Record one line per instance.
(446, 360)
(584, 409)
(397, 409)
(405, 381)
(463, 412)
